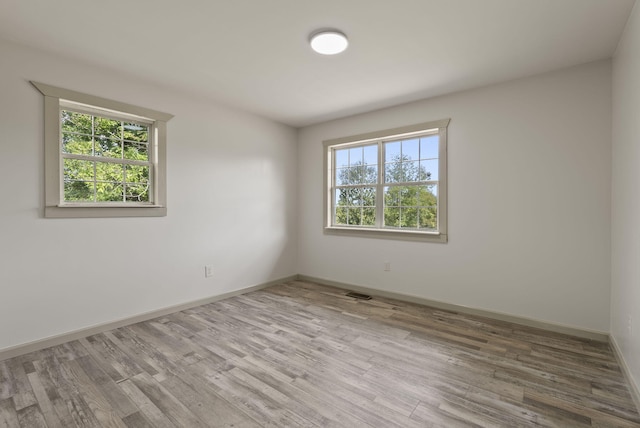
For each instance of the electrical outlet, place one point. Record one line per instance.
(387, 266)
(208, 271)
(630, 325)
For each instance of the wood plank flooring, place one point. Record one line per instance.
(304, 355)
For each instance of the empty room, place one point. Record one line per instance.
(360, 213)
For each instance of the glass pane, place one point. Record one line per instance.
(341, 197)
(409, 196)
(392, 152)
(392, 217)
(109, 192)
(371, 155)
(393, 173)
(411, 171)
(75, 122)
(433, 189)
(353, 216)
(429, 147)
(341, 215)
(77, 144)
(429, 169)
(109, 172)
(342, 175)
(370, 174)
(368, 216)
(136, 132)
(136, 193)
(353, 197)
(355, 156)
(108, 148)
(137, 174)
(362, 173)
(428, 218)
(410, 150)
(352, 175)
(427, 196)
(78, 191)
(136, 151)
(368, 196)
(75, 169)
(342, 158)
(409, 217)
(355, 175)
(392, 196)
(107, 128)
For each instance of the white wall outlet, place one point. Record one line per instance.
(387, 266)
(630, 325)
(208, 271)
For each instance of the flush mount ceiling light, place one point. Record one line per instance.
(328, 42)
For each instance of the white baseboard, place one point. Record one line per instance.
(600, 336)
(47, 342)
(634, 390)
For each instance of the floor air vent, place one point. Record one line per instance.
(358, 295)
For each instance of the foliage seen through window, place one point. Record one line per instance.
(104, 159)
(408, 184)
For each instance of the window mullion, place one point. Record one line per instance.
(59, 159)
(106, 160)
(380, 188)
(95, 183)
(124, 181)
(93, 141)
(333, 187)
(93, 135)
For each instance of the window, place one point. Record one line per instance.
(389, 183)
(103, 158)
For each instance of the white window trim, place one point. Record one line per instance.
(414, 235)
(54, 206)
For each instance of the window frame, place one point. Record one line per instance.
(439, 128)
(57, 99)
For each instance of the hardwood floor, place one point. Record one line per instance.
(301, 354)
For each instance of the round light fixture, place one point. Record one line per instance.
(328, 42)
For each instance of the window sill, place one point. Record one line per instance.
(96, 211)
(403, 235)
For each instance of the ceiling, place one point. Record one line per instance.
(254, 54)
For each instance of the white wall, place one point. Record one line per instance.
(625, 278)
(231, 203)
(529, 202)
